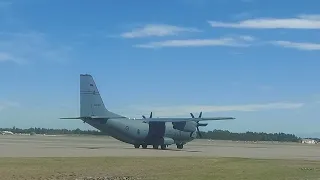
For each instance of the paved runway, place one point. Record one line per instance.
(68, 146)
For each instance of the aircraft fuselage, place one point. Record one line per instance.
(136, 132)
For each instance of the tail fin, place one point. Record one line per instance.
(91, 103)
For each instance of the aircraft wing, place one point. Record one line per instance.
(185, 119)
(161, 119)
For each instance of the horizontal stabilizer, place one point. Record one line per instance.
(94, 117)
(104, 117)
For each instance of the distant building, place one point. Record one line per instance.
(308, 141)
(6, 133)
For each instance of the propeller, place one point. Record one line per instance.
(145, 117)
(199, 124)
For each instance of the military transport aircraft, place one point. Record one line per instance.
(138, 132)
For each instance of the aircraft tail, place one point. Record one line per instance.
(91, 103)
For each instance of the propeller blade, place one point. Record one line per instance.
(200, 124)
(199, 132)
(151, 115)
(192, 115)
(143, 117)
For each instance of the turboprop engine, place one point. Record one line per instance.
(185, 126)
(189, 126)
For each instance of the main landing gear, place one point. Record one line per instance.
(163, 147)
(179, 146)
(144, 146)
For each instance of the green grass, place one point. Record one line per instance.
(180, 168)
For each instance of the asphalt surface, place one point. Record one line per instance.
(88, 146)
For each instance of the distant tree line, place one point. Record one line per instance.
(215, 134)
(52, 131)
(250, 136)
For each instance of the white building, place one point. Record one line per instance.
(308, 141)
(6, 133)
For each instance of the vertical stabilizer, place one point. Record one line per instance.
(91, 103)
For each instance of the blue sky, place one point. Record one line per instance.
(255, 60)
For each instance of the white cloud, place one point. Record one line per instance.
(185, 110)
(297, 45)
(232, 42)
(8, 104)
(300, 22)
(247, 38)
(310, 16)
(26, 47)
(157, 30)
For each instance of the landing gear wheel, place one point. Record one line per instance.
(155, 146)
(136, 145)
(163, 147)
(144, 146)
(179, 146)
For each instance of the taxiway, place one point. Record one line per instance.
(89, 146)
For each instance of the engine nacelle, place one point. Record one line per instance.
(185, 126)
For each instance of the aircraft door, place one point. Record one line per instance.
(156, 131)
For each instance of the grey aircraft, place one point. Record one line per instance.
(138, 132)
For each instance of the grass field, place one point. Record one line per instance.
(187, 168)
